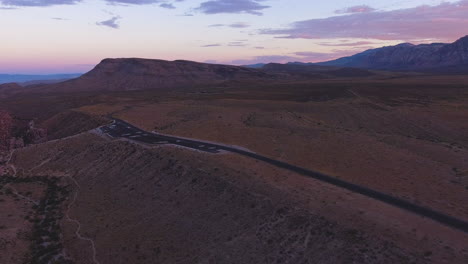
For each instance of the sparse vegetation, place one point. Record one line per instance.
(390, 133)
(46, 239)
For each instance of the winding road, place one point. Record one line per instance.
(122, 129)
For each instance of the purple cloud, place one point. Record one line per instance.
(162, 3)
(232, 6)
(347, 44)
(265, 59)
(237, 44)
(167, 6)
(239, 25)
(134, 2)
(356, 9)
(112, 23)
(38, 2)
(446, 21)
(234, 25)
(310, 56)
(211, 45)
(186, 14)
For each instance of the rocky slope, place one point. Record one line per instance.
(169, 205)
(437, 57)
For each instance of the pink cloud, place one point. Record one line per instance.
(444, 22)
(356, 9)
(253, 7)
(347, 44)
(304, 56)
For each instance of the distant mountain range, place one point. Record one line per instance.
(437, 57)
(35, 79)
(139, 74)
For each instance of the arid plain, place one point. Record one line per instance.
(401, 135)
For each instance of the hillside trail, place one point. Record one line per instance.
(8, 163)
(78, 224)
(67, 213)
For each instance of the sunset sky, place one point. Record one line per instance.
(71, 36)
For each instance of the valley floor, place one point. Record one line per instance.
(135, 203)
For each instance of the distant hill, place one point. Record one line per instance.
(255, 66)
(128, 74)
(440, 57)
(8, 89)
(36, 82)
(140, 74)
(309, 70)
(21, 78)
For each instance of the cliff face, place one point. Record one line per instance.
(15, 133)
(437, 56)
(139, 74)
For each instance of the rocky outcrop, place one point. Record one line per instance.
(16, 143)
(36, 135)
(437, 56)
(6, 123)
(28, 133)
(16, 133)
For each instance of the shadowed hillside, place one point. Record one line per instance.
(434, 57)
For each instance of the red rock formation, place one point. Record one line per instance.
(6, 123)
(37, 135)
(16, 133)
(26, 133)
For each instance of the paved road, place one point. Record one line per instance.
(122, 129)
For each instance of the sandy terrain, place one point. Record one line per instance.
(127, 203)
(171, 205)
(399, 143)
